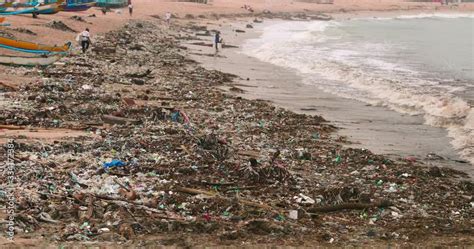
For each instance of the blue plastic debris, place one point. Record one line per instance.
(114, 163)
(175, 116)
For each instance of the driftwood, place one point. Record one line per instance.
(124, 202)
(12, 127)
(9, 86)
(194, 191)
(121, 185)
(350, 206)
(214, 195)
(118, 120)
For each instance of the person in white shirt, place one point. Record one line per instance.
(85, 37)
(130, 9)
(168, 18)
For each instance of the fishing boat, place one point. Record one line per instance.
(112, 3)
(30, 47)
(69, 5)
(4, 6)
(28, 61)
(75, 7)
(43, 9)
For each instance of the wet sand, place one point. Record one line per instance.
(378, 129)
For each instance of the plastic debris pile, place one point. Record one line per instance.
(170, 153)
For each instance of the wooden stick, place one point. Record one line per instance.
(118, 120)
(212, 194)
(9, 86)
(121, 185)
(350, 206)
(194, 191)
(12, 127)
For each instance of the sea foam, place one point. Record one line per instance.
(309, 48)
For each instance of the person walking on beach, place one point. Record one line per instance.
(217, 40)
(85, 38)
(130, 9)
(168, 18)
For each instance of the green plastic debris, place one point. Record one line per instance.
(280, 218)
(84, 225)
(151, 174)
(52, 188)
(379, 183)
(236, 190)
(315, 135)
(338, 159)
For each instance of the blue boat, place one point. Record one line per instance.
(44, 9)
(69, 5)
(74, 7)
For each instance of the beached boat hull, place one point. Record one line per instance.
(77, 7)
(29, 47)
(28, 61)
(45, 9)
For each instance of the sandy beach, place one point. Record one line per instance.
(150, 139)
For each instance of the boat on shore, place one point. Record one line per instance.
(28, 61)
(40, 9)
(75, 7)
(69, 5)
(30, 47)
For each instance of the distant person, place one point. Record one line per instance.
(85, 38)
(104, 10)
(217, 40)
(168, 18)
(130, 9)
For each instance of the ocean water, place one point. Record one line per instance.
(413, 64)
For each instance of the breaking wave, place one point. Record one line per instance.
(421, 16)
(437, 15)
(318, 51)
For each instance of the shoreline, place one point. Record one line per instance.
(378, 129)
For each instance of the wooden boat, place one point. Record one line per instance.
(75, 7)
(28, 61)
(112, 3)
(30, 47)
(43, 9)
(5, 6)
